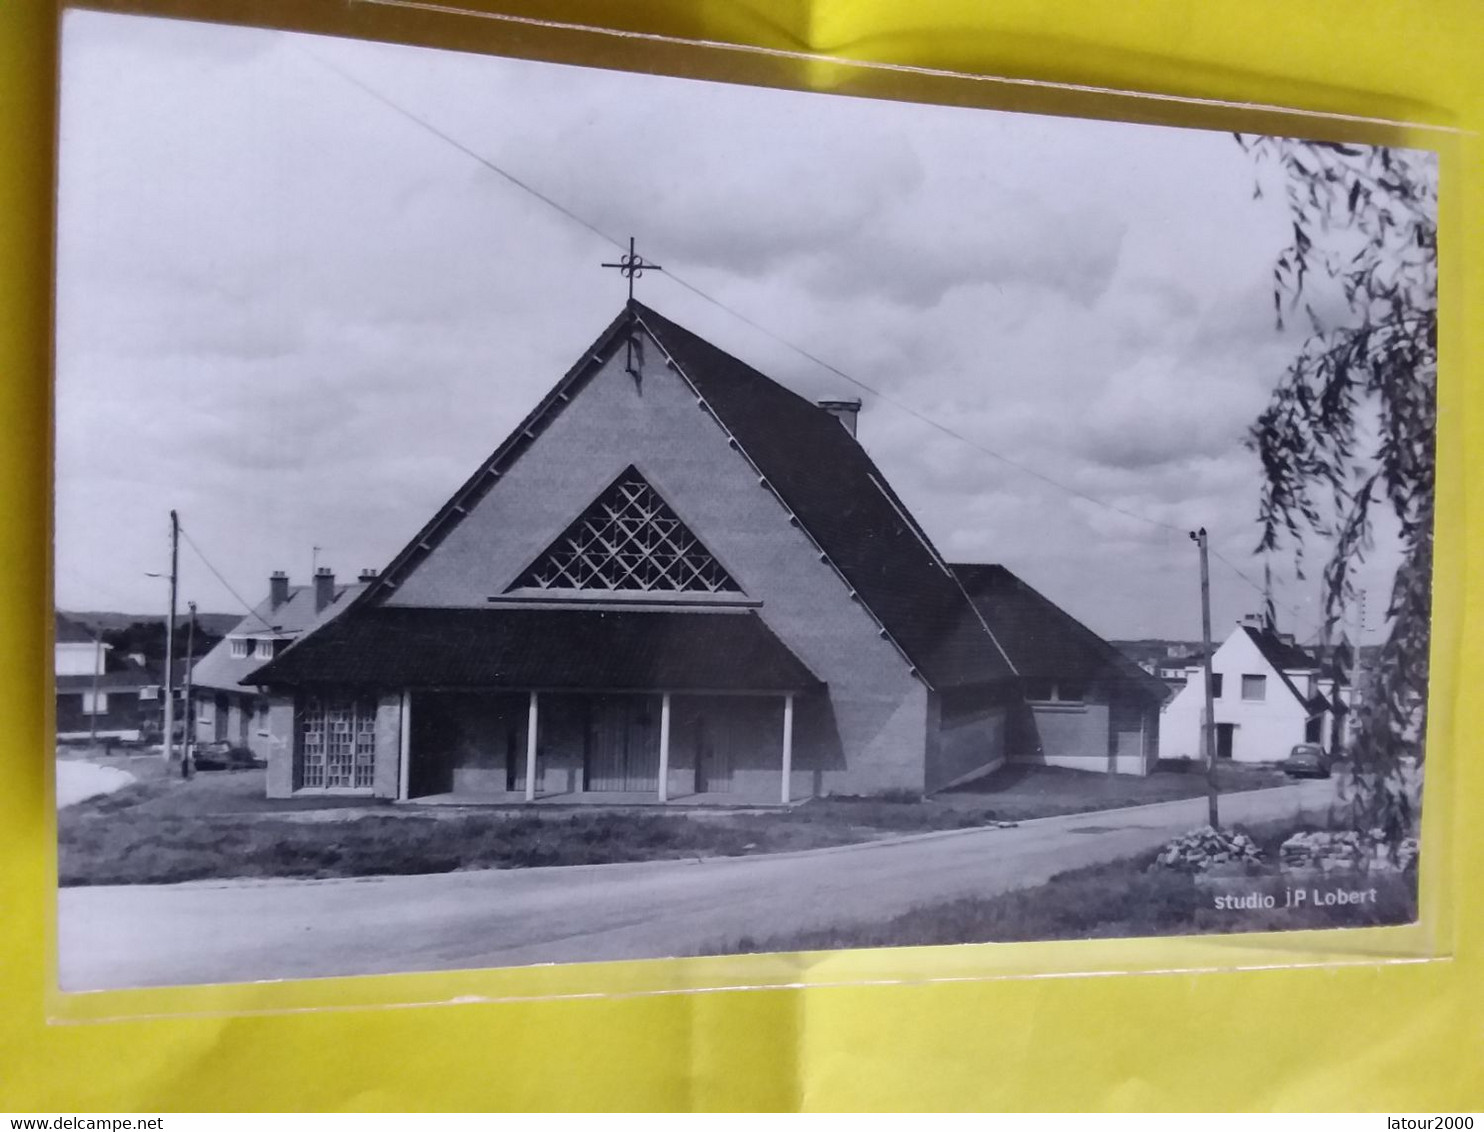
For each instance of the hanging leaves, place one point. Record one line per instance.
(1351, 425)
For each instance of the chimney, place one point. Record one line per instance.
(367, 575)
(1255, 621)
(278, 588)
(324, 588)
(843, 411)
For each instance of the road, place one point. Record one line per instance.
(233, 931)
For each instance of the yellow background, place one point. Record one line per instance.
(985, 1028)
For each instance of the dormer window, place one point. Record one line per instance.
(241, 648)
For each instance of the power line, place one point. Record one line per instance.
(575, 218)
(251, 612)
(462, 148)
(921, 416)
(1298, 613)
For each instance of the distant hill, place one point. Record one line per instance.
(1152, 648)
(216, 624)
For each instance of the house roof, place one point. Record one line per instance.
(823, 477)
(1279, 653)
(1285, 657)
(1045, 642)
(543, 647)
(296, 616)
(70, 632)
(124, 672)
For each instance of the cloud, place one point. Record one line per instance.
(973, 240)
(302, 319)
(1161, 411)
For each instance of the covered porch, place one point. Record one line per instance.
(591, 706)
(597, 748)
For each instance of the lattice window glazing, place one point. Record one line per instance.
(629, 539)
(337, 744)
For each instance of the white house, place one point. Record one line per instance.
(99, 695)
(1269, 694)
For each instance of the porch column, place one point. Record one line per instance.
(788, 747)
(665, 747)
(531, 750)
(404, 746)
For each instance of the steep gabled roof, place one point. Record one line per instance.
(841, 499)
(1045, 642)
(1279, 653)
(822, 476)
(485, 477)
(295, 617)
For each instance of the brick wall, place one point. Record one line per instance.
(1068, 736)
(967, 735)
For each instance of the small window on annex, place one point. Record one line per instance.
(1254, 687)
(1055, 691)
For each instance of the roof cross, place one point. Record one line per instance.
(633, 265)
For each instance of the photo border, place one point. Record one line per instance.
(1431, 938)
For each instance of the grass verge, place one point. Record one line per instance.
(1020, 792)
(1115, 900)
(162, 829)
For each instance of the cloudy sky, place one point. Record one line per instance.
(301, 319)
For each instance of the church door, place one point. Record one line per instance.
(623, 743)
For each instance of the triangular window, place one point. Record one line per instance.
(628, 540)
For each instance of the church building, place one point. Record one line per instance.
(679, 581)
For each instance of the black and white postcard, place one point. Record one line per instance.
(514, 513)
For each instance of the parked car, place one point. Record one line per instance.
(224, 756)
(1308, 760)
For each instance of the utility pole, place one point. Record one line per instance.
(170, 639)
(1208, 725)
(188, 740)
(1354, 705)
(97, 672)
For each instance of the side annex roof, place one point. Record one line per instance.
(1044, 641)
